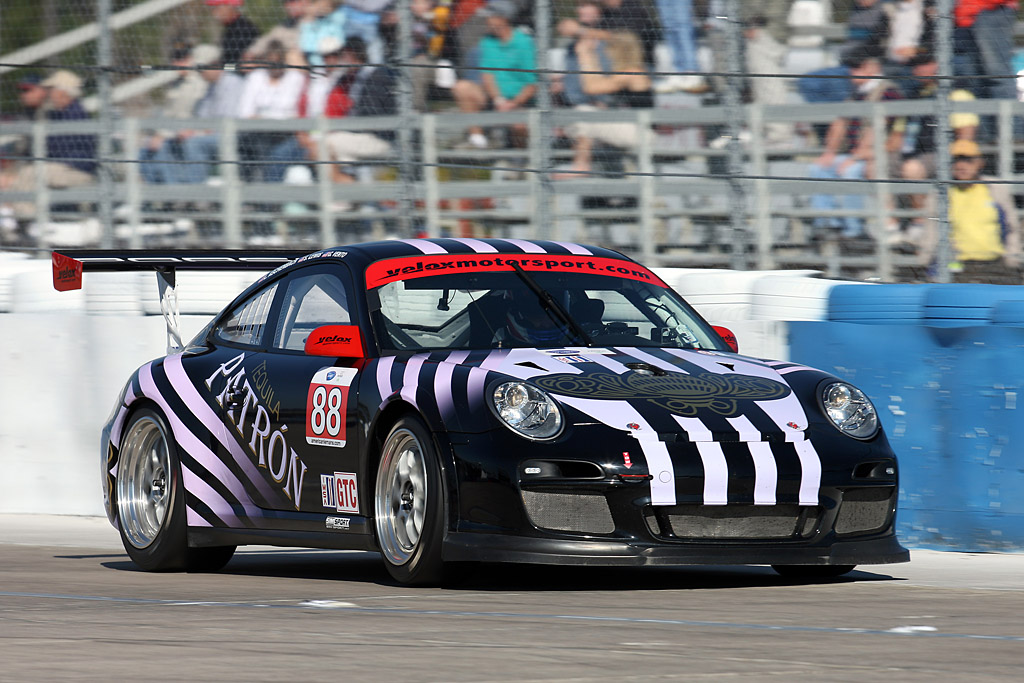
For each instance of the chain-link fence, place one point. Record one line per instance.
(864, 138)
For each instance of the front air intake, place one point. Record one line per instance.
(584, 513)
(864, 509)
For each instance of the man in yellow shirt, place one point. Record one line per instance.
(984, 226)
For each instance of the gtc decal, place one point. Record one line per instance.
(326, 406)
(340, 491)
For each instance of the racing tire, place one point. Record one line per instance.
(409, 505)
(150, 500)
(810, 572)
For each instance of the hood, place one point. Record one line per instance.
(655, 392)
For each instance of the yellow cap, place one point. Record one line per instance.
(962, 119)
(965, 148)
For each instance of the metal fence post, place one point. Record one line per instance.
(543, 189)
(324, 185)
(42, 187)
(735, 116)
(763, 200)
(431, 189)
(944, 44)
(232, 208)
(646, 164)
(882, 198)
(103, 149)
(133, 181)
(406, 202)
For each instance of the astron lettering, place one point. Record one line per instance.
(270, 449)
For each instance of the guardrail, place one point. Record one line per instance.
(669, 201)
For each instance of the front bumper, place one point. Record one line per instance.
(491, 548)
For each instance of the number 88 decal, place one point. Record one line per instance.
(326, 406)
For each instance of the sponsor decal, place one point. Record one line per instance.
(340, 491)
(793, 425)
(67, 272)
(625, 459)
(327, 406)
(317, 254)
(338, 523)
(633, 425)
(576, 351)
(261, 382)
(411, 267)
(676, 392)
(343, 341)
(571, 359)
(269, 448)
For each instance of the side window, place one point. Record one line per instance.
(246, 323)
(309, 302)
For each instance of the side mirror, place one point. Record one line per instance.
(335, 341)
(728, 337)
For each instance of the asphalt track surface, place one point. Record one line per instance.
(73, 607)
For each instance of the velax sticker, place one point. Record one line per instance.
(327, 406)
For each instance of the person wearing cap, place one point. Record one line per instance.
(372, 89)
(71, 156)
(983, 221)
(505, 47)
(221, 100)
(918, 155)
(180, 101)
(31, 96)
(238, 30)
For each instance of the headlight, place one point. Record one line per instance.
(527, 410)
(850, 410)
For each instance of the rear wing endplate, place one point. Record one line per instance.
(69, 265)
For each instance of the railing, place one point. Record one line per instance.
(673, 196)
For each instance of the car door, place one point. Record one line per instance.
(229, 374)
(310, 396)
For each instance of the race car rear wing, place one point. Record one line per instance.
(68, 266)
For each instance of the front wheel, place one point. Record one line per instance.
(810, 572)
(151, 501)
(409, 503)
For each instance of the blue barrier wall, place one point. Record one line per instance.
(946, 381)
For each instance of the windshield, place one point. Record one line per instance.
(491, 308)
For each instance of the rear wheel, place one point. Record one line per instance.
(409, 503)
(812, 571)
(151, 501)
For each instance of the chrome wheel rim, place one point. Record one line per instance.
(400, 502)
(143, 482)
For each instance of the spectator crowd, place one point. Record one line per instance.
(332, 58)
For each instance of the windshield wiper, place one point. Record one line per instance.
(551, 305)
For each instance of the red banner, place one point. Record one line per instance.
(67, 272)
(411, 267)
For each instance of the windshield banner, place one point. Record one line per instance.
(411, 267)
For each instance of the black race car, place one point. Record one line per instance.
(452, 400)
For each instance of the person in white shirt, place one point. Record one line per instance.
(270, 93)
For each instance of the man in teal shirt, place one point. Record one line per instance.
(505, 47)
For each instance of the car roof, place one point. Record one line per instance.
(361, 255)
